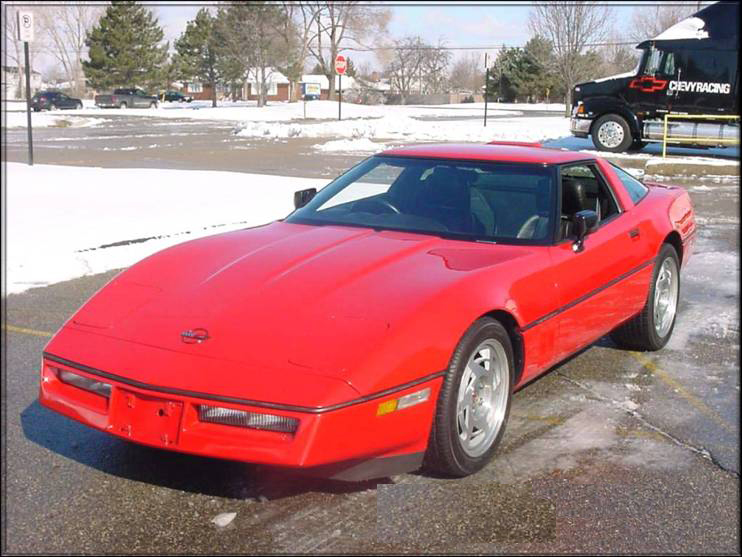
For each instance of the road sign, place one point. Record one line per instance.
(25, 26)
(340, 64)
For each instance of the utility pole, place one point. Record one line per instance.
(486, 84)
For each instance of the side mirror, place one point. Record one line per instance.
(585, 222)
(303, 197)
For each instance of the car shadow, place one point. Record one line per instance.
(184, 472)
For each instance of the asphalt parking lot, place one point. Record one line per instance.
(612, 451)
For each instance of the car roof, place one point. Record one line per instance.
(498, 152)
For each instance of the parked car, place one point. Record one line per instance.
(126, 98)
(385, 322)
(176, 96)
(53, 100)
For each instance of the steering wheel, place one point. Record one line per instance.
(385, 203)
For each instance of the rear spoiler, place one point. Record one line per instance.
(515, 143)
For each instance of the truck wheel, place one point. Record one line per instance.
(153, 104)
(611, 133)
(122, 106)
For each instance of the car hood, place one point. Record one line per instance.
(311, 297)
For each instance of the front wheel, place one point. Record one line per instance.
(611, 132)
(78, 106)
(474, 402)
(652, 328)
(122, 106)
(153, 104)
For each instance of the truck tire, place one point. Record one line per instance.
(611, 133)
(122, 106)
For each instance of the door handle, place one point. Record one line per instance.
(634, 234)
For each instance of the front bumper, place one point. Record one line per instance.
(346, 443)
(580, 127)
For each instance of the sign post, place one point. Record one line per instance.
(340, 65)
(25, 34)
(486, 84)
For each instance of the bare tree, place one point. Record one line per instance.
(468, 73)
(617, 56)
(340, 25)
(571, 27)
(648, 21)
(296, 29)
(434, 68)
(405, 65)
(65, 28)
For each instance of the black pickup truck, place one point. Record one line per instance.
(126, 98)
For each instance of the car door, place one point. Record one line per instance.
(598, 285)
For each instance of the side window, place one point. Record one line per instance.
(652, 65)
(634, 187)
(668, 68)
(583, 188)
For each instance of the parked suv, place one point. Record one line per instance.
(175, 96)
(53, 100)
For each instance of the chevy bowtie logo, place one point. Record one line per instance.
(194, 336)
(648, 84)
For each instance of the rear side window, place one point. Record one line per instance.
(634, 187)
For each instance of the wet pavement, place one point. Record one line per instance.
(612, 452)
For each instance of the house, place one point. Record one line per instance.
(10, 81)
(201, 91)
(324, 83)
(278, 85)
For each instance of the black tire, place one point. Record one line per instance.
(153, 104)
(123, 105)
(78, 106)
(637, 145)
(601, 136)
(445, 454)
(640, 332)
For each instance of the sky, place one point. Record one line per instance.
(464, 24)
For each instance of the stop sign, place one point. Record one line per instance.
(340, 64)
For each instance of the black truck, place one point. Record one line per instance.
(689, 69)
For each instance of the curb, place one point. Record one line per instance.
(670, 167)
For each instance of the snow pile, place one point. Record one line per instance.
(405, 128)
(46, 119)
(362, 145)
(58, 217)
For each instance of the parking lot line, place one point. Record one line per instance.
(677, 387)
(25, 331)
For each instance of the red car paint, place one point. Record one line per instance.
(325, 323)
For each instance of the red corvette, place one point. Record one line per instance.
(385, 323)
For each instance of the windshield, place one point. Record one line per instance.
(508, 203)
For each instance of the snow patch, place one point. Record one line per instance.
(58, 217)
(363, 145)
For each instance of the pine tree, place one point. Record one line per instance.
(125, 49)
(196, 56)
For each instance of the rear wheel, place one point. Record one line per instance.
(611, 133)
(122, 106)
(474, 402)
(153, 104)
(652, 328)
(78, 106)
